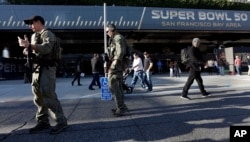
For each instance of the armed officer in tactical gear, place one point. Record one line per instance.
(43, 76)
(116, 51)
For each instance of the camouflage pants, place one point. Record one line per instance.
(115, 86)
(45, 97)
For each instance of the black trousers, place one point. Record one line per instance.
(77, 77)
(193, 75)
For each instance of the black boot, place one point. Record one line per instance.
(41, 125)
(120, 111)
(59, 128)
(91, 88)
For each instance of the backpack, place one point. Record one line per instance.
(184, 56)
(128, 50)
(127, 56)
(57, 51)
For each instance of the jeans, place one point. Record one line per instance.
(221, 70)
(176, 72)
(95, 80)
(138, 75)
(147, 80)
(238, 69)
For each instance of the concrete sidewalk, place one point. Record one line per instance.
(159, 115)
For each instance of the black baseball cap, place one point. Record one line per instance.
(34, 18)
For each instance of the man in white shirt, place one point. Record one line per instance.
(137, 66)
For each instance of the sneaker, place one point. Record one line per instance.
(40, 126)
(59, 128)
(205, 94)
(185, 97)
(79, 84)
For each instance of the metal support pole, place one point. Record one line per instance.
(104, 28)
(105, 37)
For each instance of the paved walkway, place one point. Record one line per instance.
(159, 115)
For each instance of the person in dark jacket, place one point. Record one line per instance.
(194, 64)
(78, 71)
(95, 64)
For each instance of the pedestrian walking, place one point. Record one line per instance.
(159, 66)
(95, 64)
(210, 66)
(137, 66)
(78, 71)
(176, 69)
(115, 68)
(44, 76)
(148, 66)
(171, 69)
(195, 62)
(237, 64)
(222, 63)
